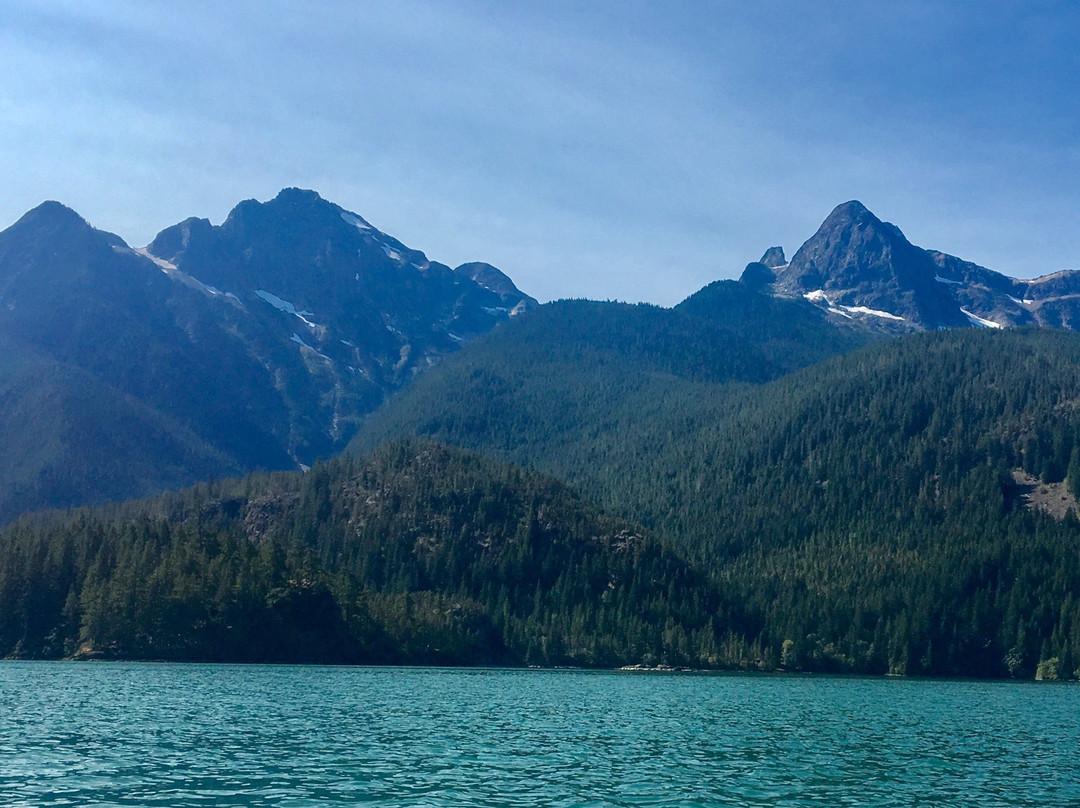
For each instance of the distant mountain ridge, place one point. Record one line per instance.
(268, 340)
(820, 497)
(258, 343)
(857, 267)
(351, 312)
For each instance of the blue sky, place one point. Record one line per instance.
(612, 150)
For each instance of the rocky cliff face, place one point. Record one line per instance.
(860, 268)
(337, 310)
(259, 343)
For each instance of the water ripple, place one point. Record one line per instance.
(189, 735)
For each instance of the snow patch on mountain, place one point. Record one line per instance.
(356, 221)
(976, 320)
(299, 341)
(940, 279)
(817, 296)
(177, 274)
(166, 266)
(872, 312)
(287, 307)
(391, 253)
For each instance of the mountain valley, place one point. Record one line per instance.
(864, 459)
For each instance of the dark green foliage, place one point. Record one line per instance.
(859, 515)
(569, 387)
(866, 509)
(416, 554)
(865, 514)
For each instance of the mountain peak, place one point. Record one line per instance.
(292, 205)
(858, 266)
(850, 210)
(52, 214)
(494, 280)
(852, 247)
(52, 223)
(855, 216)
(773, 257)
(294, 196)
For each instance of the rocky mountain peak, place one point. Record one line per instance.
(51, 212)
(494, 280)
(51, 249)
(851, 244)
(773, 257)
(864, 270)
(298, 196)
(847, 213)
(261, 342)
(54, 220)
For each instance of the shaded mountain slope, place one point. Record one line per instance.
(66, 433)
(864, 514)
(78, 298)
(209, 380)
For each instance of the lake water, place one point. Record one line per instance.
(216, 735)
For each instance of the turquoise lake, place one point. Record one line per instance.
(85, 734)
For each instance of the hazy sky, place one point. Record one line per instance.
(613, 150)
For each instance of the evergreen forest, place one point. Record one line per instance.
(415, 554)
(868, 513)
(731, 484)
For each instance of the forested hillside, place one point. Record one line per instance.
(868, 509)
(415, 554)
(571, 387)
(907, 507)
(861, 514)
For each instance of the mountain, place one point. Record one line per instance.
(259, 343)
(907, 507)
(892, 510)
(857, 267)
(336, 311)
(361, 299)
(414, 554)
(776, 485)
(568, 388)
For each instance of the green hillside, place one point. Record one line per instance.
(415, 554)
(570, 387)
(66, 432)
(861, 514)
(869, 511)
(907, 507)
